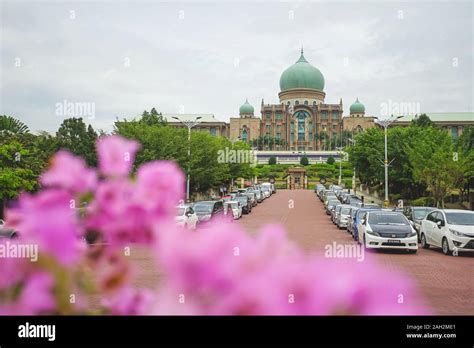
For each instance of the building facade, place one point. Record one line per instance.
(303, 121)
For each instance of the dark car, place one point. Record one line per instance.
(208, 210)
(246, 203)
(416, 215)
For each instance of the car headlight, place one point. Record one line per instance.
(456, 233)
(369, 231)
(412, 234)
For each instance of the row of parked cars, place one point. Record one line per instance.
(400, 228)
(234, 205)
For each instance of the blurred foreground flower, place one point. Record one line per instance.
(219, 269)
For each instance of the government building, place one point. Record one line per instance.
(303, 121)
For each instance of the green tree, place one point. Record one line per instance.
(152, 118)
(272, 160)
(15, 175)
(431, 158)
(9, 124)
(75, 136)
(422, 121)
(465, 155)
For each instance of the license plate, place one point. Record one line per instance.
(394, 241)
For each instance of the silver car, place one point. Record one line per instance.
(343, 216)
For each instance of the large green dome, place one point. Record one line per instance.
(357, 107)
(246, 108)
(301, 75)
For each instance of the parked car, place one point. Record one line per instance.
(334, 211)
(186, 217)
(6, 232)
(343, 216)
(450, 229)
(387, 230)
(258, 195)
(208, 210)
(329, 195)
(416, 215)
(330, 205)
(235, 207)
(253, 199)
(357, 222)
(270, 186)
(245, 203)
(350, 221)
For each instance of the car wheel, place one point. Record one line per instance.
(445, 247)
(424, 244)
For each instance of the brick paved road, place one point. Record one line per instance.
(447, 282)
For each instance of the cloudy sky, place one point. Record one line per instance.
(208, 56)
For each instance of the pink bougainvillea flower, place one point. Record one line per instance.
(130, 301)
(159, 187)
(36, 296)
(222, 271)
(116, 155)
(69, 172)
(117, 216)
(48, 219)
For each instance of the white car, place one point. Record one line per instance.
(186, 217)
(449, 229)
(236, 208)
(380, 229)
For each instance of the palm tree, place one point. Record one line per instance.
(12, 125)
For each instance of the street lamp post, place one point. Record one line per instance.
(190, 124)
(385, 124)
(232, 178)
(354, 172)
(340, 165)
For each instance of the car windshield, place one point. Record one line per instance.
(460, 218)
(420, 213)
(345, 211)
(387, 219)
(242, 199)
(203, 208)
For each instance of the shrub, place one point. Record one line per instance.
(423, 201)
(304, 161)
(272, 160)
(330, 160)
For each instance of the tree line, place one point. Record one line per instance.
(425, 160)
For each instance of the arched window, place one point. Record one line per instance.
(297, 102)
(314, 103)
(288, 103)
(305, 102)
(244, 135)
(301, 116)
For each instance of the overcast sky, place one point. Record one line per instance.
(207, 57)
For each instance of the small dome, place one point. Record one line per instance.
(357, 107)
(246, 108)
(301, 75)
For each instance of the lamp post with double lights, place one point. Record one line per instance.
(385, 124)
(190, 124)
